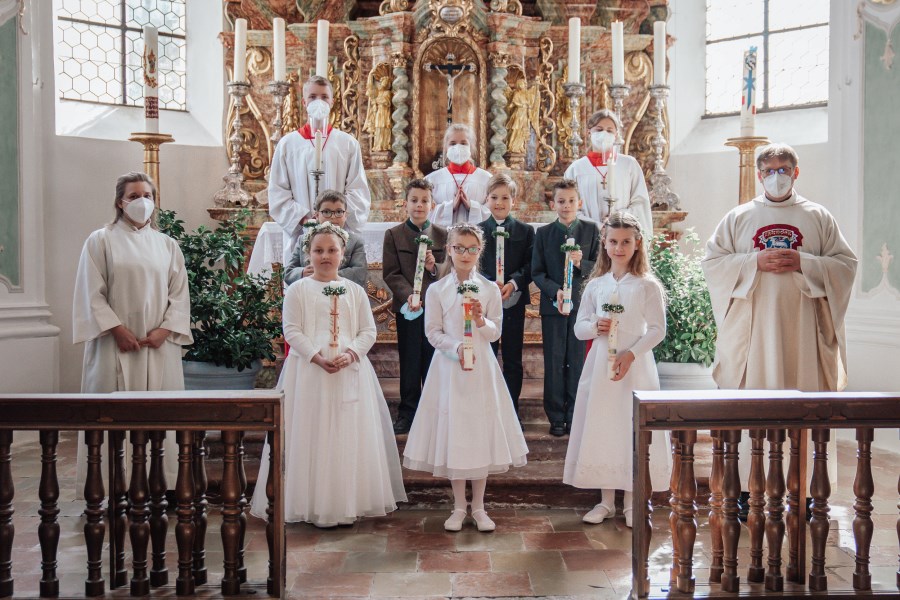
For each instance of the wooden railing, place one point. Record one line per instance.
(773, 417)
(140, 508)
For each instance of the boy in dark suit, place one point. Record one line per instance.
(399, 258)
(563, 352)
(518, 243)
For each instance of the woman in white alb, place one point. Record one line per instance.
(131, 307)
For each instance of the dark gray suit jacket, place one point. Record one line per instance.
(354, 266)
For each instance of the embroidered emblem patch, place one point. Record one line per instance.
(782, 237)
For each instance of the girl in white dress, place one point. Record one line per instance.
(626, 183)
(600, 444)
(459, 188)
(465, 427)
(131, 309)
(341, 459)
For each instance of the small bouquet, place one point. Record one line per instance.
(613, 308)
(424, 242)
(501, 235)
(310, 224)
(568, 274)
(468, 290)
(334, 292)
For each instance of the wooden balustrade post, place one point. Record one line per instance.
(756, 518)
(820, 490)
(139, 528)
(94, 528)
(7, 529)
(863, 488)
(118, 509)
(184, 530)
(775, 509)
(643, 529)
(159, 521)
(716, 475)
(676, 439)
(200, 506)
(271, 580)
(687, 511)
(794, 520)
(242, 518)
(231, 509)
(731, 526)
(48, 530)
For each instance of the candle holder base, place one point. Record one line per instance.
(746, 146)
(151, 143)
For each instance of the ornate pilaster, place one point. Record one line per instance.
(499, 69)
(400, 101)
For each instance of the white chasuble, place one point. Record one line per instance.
(292, 188)
(446, 185)
(136, 278)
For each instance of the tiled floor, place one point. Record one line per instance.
(533, 553)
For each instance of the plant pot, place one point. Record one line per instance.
(207, 376)
(685, 376)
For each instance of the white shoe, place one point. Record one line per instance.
(455, 522)
(483, 521)
(628, 517)
(597, 514)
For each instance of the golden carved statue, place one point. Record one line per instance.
(522, 109)
(378, 116)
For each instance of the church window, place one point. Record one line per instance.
(100, 44)
(791, 37)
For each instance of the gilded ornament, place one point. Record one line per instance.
(563, 116)
(392, 6)
(350, 76)
(524, 104)
(291, 106)
(506, 6)
(545, 127)
(259, 61)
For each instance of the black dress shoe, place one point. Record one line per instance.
(558, 429)
(744, 507)
(402, 425)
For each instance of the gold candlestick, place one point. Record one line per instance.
(746, 145)
(151, 143)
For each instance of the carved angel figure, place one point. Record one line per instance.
(378, 117)
(523, 116)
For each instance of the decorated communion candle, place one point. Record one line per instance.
(468, 329)
(613, 338)
(748, 95)
(424, 243)
(151, 80)
(568, 278)
(501, 259)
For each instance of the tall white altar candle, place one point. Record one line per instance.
(278, 49)
(151, 80)
(575, 50)
(618, 53)
(748, 95)
(322, 48)
(240, 50)
(659, 53)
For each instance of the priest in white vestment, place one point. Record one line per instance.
(602, 175)
(292, 186)
(780, 275)
(459, 188)
(131, 308)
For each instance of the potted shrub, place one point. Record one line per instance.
(685, 355)
(234, 315)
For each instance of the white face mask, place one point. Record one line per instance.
(139, 210)
(459, 154)
(602, 141)
(318, 112)
(778, 185)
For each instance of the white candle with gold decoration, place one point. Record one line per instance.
(501, 249)
(613, 338)
(568, 278)
(151, 79)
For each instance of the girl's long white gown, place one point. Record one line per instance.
(600, 443)
(341, 459)
(465, 426)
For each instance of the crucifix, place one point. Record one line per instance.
(451, 70)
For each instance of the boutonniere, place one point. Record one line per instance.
(467, 286)
(569, 247)
(613, 308)
(503, 234)
(334, 290)
(424, 239)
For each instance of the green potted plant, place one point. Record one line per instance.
(685, 356)
(234, 315)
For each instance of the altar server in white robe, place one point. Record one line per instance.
(459, 188)
(292, 187)
(131, 308)
(780, 274)
(596, 183)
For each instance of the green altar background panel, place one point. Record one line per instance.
(881, 176)
(9, 156)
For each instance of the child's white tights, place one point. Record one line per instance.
(608, 499)
(459, 493)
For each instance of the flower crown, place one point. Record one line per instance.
(325, 227)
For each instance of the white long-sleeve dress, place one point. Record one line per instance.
(600, 443)
(341, 459)
(136, 278)
(465, 426)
